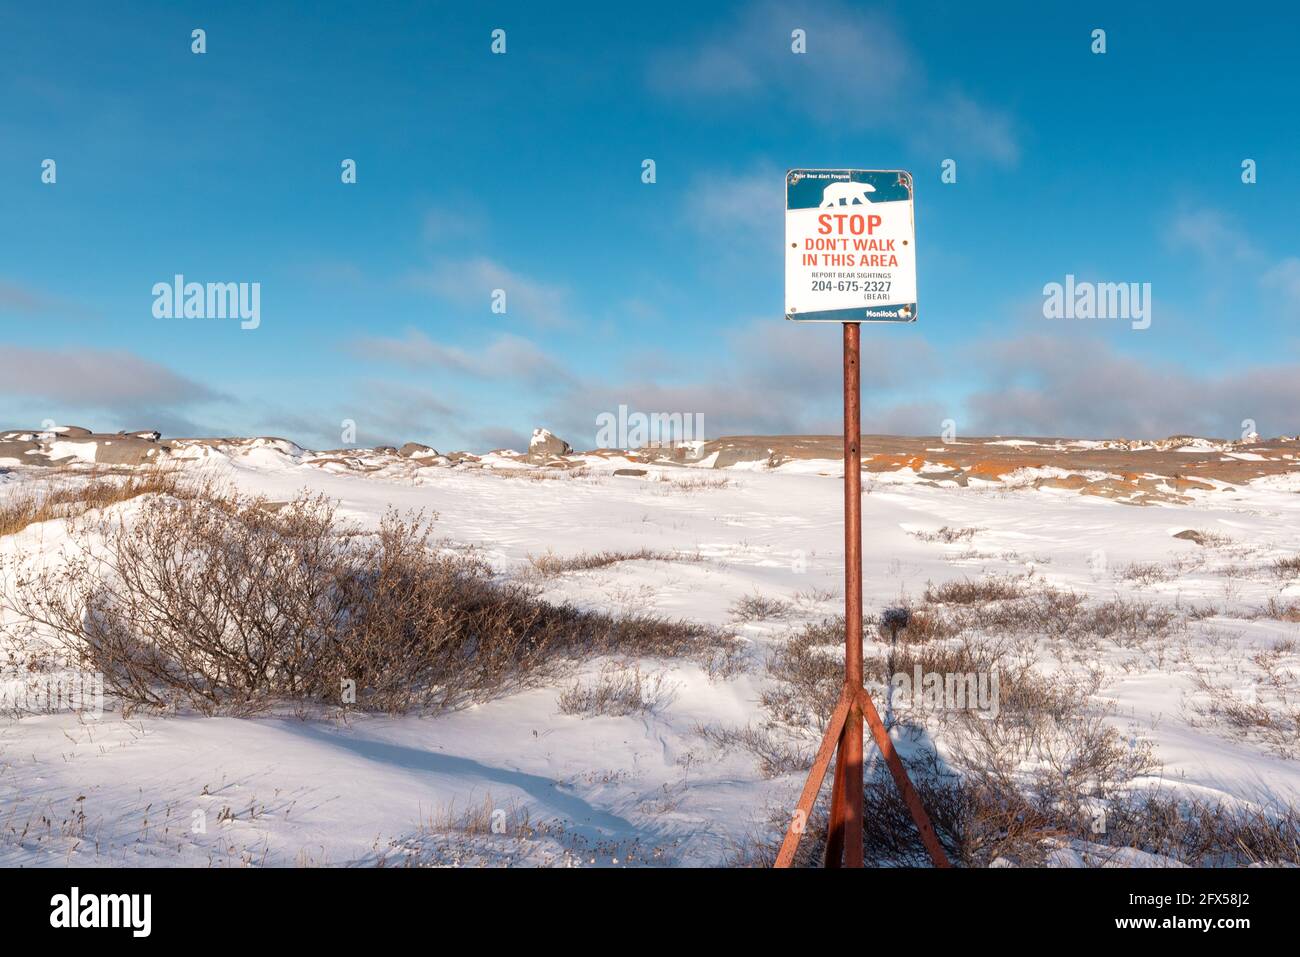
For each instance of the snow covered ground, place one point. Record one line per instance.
(644, 788)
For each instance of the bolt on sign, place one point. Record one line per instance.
(850, 246)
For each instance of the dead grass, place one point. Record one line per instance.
(621, 689)
(551, 565)
(545, 474)
(667, 484)
(947, 535)
(816, 596)
(1253, 696)
(75, 494)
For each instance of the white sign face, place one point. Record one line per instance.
(850, 246)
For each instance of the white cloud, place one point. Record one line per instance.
(746, 204)
(1040, 384)
(507, 356)
(470, 283)
(20, 300)
(858, 73)
(1208, 233)
(95, 378)
(1284, 277)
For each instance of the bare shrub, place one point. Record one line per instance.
(222, 603)
(1286, 568)
(1145, 573)
(1068, 616)
(198, 600)
(1203, 834)
(621, 689)
(808, 668)
(1255, 696)
(1023, 695)
(1278, 610)
(1128, 623)
(776, 755)
(969, 592)
(757, 607)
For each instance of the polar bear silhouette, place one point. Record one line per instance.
(845, 194)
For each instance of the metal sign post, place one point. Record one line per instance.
(851, 258)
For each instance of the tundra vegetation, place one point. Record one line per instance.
(228, 603)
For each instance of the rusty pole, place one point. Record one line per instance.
(851, 742)
(844, 828)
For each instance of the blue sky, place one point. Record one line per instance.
(522, 172)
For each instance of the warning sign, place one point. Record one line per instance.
(850, 246)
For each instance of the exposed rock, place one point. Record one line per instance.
(1071, 482)
(416, 450)
(124, 450)
(18, 449)
(545, 445)
(635, 473)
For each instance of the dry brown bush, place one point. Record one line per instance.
(222, 602)
(972, 592)
(1146, 573)
(758, 607)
